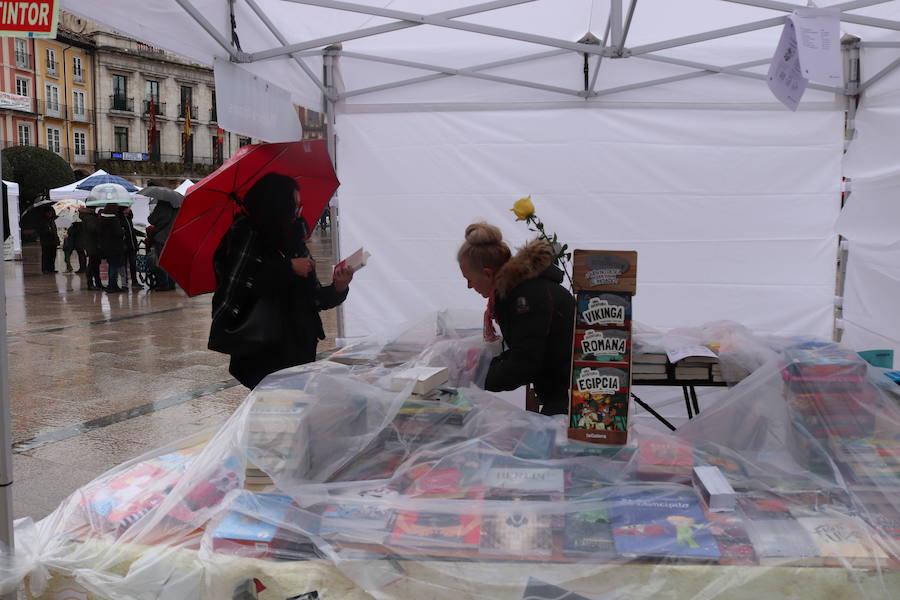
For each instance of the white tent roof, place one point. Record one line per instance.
(71, 191)
(184, 186)
(442, 51)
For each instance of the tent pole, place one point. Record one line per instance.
(850, 50)
(615, 20)
(328, 107)
(6, 479)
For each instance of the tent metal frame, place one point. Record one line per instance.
(612, 45)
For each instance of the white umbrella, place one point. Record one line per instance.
(67, 212)
(109, 193)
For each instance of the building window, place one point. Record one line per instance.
(51, 62)
(22, 59)
(80, 139)
(24, 134)
(53, 139)
(21, 86)
(213, 115)
(77, 70)
(121, 135)
(52, 99)
(120, 92)
(78, 109)
(154, 144)
(187, 96)
(243, 141)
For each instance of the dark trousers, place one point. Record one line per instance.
(82, 258)
(93, 271)
(114, 263)
(132, 267)
(48, 258)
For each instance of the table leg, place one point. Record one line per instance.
(687, 402)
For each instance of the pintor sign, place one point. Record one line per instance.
(29, 18)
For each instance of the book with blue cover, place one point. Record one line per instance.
(662, 524)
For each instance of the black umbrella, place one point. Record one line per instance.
(34, 214)
(163, 194)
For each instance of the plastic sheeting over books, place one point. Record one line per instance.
(326, 480)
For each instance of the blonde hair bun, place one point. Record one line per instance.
(483, 234)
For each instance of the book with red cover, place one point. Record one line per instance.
(665, 459)
(414, 530)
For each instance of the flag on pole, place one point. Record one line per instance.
(187, 131)
(152, 136)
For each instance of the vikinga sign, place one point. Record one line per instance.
(29, 18)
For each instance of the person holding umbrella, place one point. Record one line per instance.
(89, 231)
(262, 263)
(161, 218)
(49, 239)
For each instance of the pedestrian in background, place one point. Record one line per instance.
(111, 242)
(74, 242)
(49, 239)
(126, 220)
(90, 231)
(161, 218)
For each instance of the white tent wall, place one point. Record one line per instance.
(731, 211)
(12, 216)
(871, 218)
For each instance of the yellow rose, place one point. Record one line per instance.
(523, 208)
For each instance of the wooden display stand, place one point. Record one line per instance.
(605, 281)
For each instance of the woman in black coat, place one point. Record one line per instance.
(535, 312)
(49, 239)
(111, 243)
(263, 256)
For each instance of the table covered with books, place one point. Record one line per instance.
(335, 480)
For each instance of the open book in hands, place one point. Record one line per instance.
(354, 262)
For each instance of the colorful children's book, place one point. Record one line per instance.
(664, 524)
(520, 524)
(589, 533)
(843, 538)
(426, 531)
(665, 458)
(253, 527)
(730, 533)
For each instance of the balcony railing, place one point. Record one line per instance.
(117, 102)
(52, 108)
(78, 76)
(182, 110)
(81, 114)
(160, 108)
(23, 60)
(151, 157)
(51, 68)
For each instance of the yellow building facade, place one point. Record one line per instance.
(65, 98)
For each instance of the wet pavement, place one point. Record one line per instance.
(97, 379)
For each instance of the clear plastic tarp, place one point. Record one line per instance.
(334, 480)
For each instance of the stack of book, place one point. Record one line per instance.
(263, 526)
(649, 367)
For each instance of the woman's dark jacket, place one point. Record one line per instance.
(247, 269)
(90, 233)
(536, 316)
(47, 233)
(110, 236)
(161, 218)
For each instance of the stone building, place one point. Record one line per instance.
(156, 116)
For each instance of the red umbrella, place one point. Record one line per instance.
(210, 206)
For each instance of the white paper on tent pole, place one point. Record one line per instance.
(818, 36)
(785, 76)
(249, 105)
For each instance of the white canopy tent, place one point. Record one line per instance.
(184, 186)
(635, 124)
(71, 190)
(12, 216)
(644, 125)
